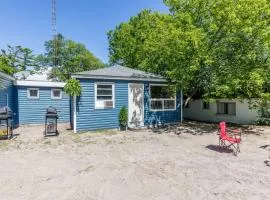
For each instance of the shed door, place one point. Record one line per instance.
(136, 105)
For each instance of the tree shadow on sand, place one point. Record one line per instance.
(200, 128)
(190, 127)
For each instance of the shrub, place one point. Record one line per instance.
(263, 121)
(123, 116)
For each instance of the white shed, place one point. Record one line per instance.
(229, 110)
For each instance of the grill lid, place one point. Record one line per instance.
(5, 112)
(51, 110)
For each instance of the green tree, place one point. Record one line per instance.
(209, 48)
(67, 57)
(5, 67)
(19, 58)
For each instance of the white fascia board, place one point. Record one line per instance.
(40, 83)
(120, 78)
(7, 76)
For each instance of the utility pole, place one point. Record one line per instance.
(54, 33)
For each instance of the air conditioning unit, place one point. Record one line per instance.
(108, 104)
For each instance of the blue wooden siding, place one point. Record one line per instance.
(32, 111)
(89, 118)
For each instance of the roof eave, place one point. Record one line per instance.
(119, 78)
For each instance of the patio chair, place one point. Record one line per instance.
(229, 140)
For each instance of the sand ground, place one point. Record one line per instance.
(141, 165)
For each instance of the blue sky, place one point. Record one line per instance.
(28, 22)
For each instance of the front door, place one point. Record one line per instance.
(135, 105)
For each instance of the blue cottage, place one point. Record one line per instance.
(34, 97)
(148, 97)
(29, 99)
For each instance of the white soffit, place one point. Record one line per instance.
(40, 83)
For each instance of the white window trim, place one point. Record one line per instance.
(113, 93)
(53, 97)
(28, 93)
(162, 99)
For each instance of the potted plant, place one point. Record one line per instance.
(123, 118)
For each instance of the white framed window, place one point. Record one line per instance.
(104, 95)
(226, 108)
(33, 93)
(56, 94)
(162, 97)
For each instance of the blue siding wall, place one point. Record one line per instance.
(89, 118)
(32, 111)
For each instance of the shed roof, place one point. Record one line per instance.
(119, 72)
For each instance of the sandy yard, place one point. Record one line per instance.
(134, 165)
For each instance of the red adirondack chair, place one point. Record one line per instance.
(226, 140)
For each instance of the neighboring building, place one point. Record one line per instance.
(150, 101)
(34, 97)
(29, 98)
(235, 111)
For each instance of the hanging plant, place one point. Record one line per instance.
(73, 87)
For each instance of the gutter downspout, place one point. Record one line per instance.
(74, 115)
(181, 106)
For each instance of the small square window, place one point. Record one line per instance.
(33, 93)
(56, 94)
(206, 105)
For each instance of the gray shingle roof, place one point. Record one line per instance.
(119, 72)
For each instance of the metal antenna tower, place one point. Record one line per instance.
(54, 34)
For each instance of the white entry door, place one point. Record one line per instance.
(135, 105)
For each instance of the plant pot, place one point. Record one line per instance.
(123, 128)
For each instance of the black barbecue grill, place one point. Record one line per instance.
(51, 118)
(6, 122)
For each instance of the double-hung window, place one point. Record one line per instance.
(33, 93)
(104, 95)
(162, 98)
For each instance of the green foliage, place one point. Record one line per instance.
(71, 57)
(5, 67)
(19, 58)
(263, 122)
(123, 116)
(263, 107)
(73, 87)
(209, 48)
